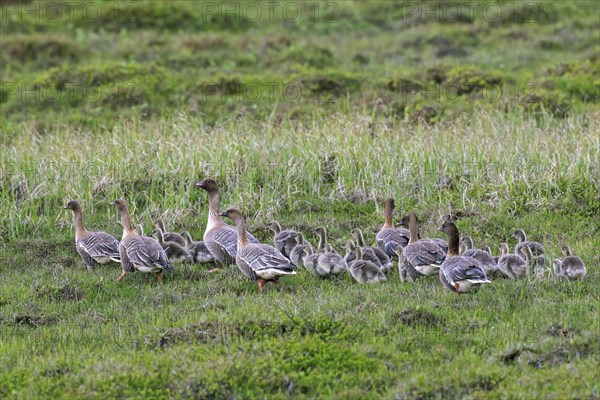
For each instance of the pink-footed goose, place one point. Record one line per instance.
(364, 271)
(302, 249)
(93, 247)
(220, 238)
(259, 262)
(137, 252)
(537, 249)
(384, 259)
(330, 263)
(367, 254)
(389, 238)
(540, 267)
(175, 252)
(172, 237)
(139, 229)
(283, 240)
(198, 250)
(405, 269)
(510, 265)
(571, 267)
(425, 255)
(460, 273)
(490, 266)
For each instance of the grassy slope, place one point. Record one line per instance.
(66, 333)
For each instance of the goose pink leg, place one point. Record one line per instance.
(122, 275)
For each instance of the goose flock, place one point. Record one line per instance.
(459, 265)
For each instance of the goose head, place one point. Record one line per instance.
(406, 220)
(274, 227)
(121, 205)
(349, 246)
(519, 234)
(233, 214)
(466, 242)
(208, 184)
(504, 249)
(566, 251)
(321, 232)
(73, 206)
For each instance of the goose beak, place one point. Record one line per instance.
(440, 229)
(114, 203)
(223, 214)
(199, 184)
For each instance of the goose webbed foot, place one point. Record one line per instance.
(456, 287)
(260, 284)
(214, 270)
(160, 277)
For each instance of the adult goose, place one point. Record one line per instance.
(460, 273)
(384, 259)
(510, 265)
(301, 250)
(197, 249)
(485, 258)
(169, 236)
(425, 255)
(175, 252)
(93, 247)
(539, 266)
(389, 237)
(259, 262)
(139, 252)
(220, 239)
(536, 248)
(283, 240)
(364, 271)
(572, 267)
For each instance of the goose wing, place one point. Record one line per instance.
(463, 268)
(424, 252)
(262, 257)
(227, 237)
(101, 244)
(389, 239)
(147, 252)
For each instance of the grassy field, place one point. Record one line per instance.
(451, 112)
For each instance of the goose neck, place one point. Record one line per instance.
(322, 239)
(360, 240)
(453, 242)
(241, 231)
(126, 222)
(388, 213)
(78, 222)
(214, 209)
(413, 228)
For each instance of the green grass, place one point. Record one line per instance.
(529, 160)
